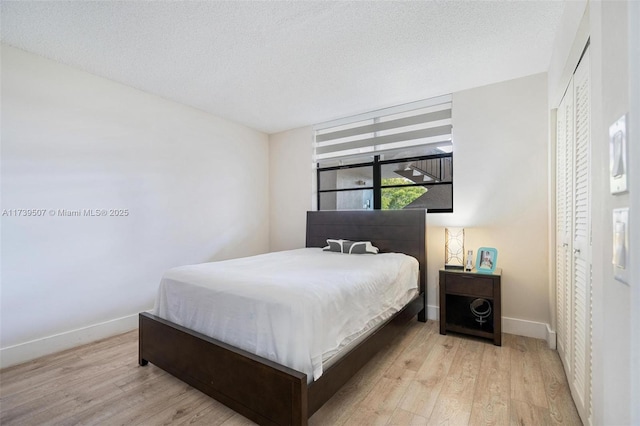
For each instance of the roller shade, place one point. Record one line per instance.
(426, 122)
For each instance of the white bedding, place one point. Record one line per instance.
(294, 307)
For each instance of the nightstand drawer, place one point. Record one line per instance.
(473, 285)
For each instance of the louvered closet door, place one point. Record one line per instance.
(564, 226)
(582, 314)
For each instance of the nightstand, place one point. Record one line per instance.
(470, 303)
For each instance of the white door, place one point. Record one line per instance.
(582, 313)
(564, 226)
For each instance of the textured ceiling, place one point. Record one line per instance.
(274, 66)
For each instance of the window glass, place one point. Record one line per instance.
(431, 197)
(417, 172)
(347, 200)
(402, 197)
(348, 178)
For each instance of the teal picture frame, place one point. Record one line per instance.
(487, 259)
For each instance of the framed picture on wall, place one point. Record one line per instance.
(487, 259)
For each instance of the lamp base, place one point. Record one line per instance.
(454, 267)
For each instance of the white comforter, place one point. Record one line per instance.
(293, 307)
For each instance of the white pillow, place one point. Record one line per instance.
(350, 247)
(359, 247)
(334, 245)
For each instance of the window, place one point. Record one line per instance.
(397, 158)
(422, 183)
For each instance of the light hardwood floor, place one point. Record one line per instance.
(424, 378)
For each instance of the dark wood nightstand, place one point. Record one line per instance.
(470, 303)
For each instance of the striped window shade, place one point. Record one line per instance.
(425, 123)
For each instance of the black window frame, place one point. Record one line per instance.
(377, 186)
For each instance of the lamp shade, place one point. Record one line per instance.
(454, 248)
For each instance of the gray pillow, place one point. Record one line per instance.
(334, 245)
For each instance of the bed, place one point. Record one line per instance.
(263, 390)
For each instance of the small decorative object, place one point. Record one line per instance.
(481, 309)
(454, 248)
(469, 265)
(487, 259)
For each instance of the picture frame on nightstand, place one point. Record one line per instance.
(487, 259)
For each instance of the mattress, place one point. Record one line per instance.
(296, 307)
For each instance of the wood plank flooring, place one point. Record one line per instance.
(424, 378)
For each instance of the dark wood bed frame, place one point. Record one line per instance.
(262, 390)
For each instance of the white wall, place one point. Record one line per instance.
(500, 193)
(569, 43)
(195, 186)
(606, 25)
(611, 298)
(291, 175)
(634, 151)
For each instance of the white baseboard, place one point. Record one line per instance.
(519, 327)
(28, 351)
(433, 312)
(551, 338)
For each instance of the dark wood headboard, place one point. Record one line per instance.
(400, 231)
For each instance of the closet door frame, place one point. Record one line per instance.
(573, 262)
